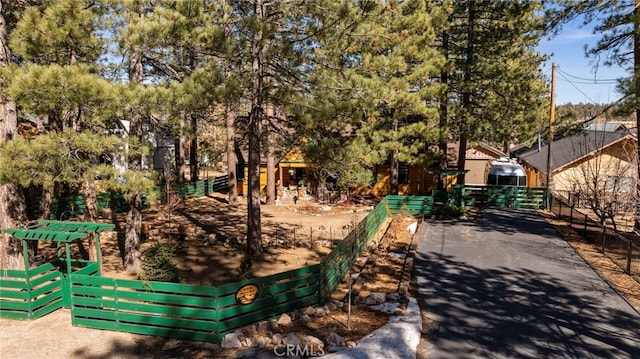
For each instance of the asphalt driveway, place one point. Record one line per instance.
(508, 286)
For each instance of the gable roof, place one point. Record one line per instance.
(567, 150)
(483, 151)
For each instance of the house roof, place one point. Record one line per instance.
(567, 150)
(483, 151)
(607, 127)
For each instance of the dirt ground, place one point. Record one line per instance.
(295, 235)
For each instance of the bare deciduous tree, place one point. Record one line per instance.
(605, 181)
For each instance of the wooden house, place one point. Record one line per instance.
(585, 156)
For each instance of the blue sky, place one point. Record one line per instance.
(576, 79)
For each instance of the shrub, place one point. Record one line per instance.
(449, 211)
(157, 265)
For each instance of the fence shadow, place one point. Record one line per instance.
(518, 313)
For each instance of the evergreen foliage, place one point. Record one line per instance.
(495, 90)
(157, 265)
(361, 82)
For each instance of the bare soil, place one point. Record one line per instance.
(295, 235)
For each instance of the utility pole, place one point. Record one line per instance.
(552, 116)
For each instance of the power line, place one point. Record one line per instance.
(590, 81)
(577, 88)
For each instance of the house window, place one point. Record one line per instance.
(403, 173)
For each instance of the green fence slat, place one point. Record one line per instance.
(14, 305)
(13, 315)
(11, 294)
(12, 284)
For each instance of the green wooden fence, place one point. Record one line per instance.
(505, 196)
(186, 311)
(30, 295)
(196, 312)
(207, 313)
(68, 206)
(414, 205)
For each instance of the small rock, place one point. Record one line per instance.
(264, 327)
(304, 318)
(309, 311)
(375, 298)
(285, 320)
(247, 331)
(277, 339)
(338, 303)
(350, 344)
(397, 255)
(294, 315)
(316, 345)
(231, 341)
(335, 340)
(292, 339)
(330, 307)
(260, 342)
(400, 311)
(393, 297)
(320, 312)
(246, 342)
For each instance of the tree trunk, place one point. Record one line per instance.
(132, 234)
(13, 209)
(88, 190)
(230, 120)
(180, 155)
(254, 226)
(231, 156)
(45, 211)
(271, 179)
(193, 150)
(271, 168)
(394, 165)
(462, 157)
(46, 202)
(133, 225)
(444, 112)
(636, 77)
(466, 96)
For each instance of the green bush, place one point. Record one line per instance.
(157, 265)
(449, 211)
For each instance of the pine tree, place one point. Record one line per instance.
(12, 203)
(389, 66)
(495, 91)
(59, 46)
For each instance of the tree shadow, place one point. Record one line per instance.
(503, 312)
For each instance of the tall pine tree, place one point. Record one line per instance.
(495, 92)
